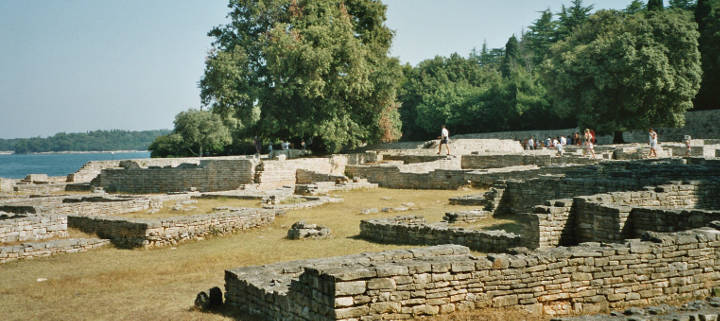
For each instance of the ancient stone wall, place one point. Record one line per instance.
(392, 177)
(414, 231)
(583, 279)
(32, 228)
(277, 173)
(210, 175)
(168, 231)
(92, 169)
(613, 217)
(670, 219)
(39, 249)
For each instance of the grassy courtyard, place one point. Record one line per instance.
(161, 284)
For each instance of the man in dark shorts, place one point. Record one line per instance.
(444, 137)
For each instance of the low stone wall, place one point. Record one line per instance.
(412, 159)
(27, 251)
(392, 177)
(541, 160)
(407, 284)
(210, 175)
(670, 220)
(32, 228)
(303, 176)
(130, 233)
(92, 169)
(613, 217)
(413, 230)
(272, 174)
(94, 205)
(521, 196)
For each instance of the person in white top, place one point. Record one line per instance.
(652, 137)
(444, 136)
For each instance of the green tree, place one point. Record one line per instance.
(201, 132)
(634, 7)
(655, 5)
(620, 72)
(305, 68)
(434, 93)
(512, 55)
(541, 36)
(707, 16)
(683, 4)
(572, 17)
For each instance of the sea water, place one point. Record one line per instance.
(56, 164)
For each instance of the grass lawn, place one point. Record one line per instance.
(161, 284)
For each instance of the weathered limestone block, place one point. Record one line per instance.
(301, 230)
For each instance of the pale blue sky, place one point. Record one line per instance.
(78, 65)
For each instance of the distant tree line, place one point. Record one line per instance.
(97, 140)
(319, 71)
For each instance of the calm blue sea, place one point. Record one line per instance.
(18, 166)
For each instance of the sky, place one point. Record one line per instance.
(80, 65)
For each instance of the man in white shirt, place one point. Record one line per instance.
(444, 137)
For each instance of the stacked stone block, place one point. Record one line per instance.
(130, 233)
(413, 230)
(583, 279)
(210, 175)
(26, 251)
(20, 228)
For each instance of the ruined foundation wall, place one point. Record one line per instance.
(168, 231)
(32, 228)
(39, 249)
(584, 279)
(613, 217)
(414, 231)
(210, 175)
(277, 173)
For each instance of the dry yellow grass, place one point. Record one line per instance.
(161, 284)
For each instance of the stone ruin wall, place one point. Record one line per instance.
(216, 174)
(413, 230)
(210, 175)
(22, 228)
(92, 169)
(616, 216)
(129, 233)
(405, 284)
(278, 173)
(32, 250)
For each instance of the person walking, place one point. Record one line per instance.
(652, 137)
(444, 140)
(588, 138)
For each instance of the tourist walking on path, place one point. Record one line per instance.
(444, 137)
(588, 138)
(652, 137)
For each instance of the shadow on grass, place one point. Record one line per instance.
(228, 312)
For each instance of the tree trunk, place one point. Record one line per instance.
(618, 137)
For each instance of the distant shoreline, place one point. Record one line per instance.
(76, 152)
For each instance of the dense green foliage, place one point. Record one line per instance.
(98, 140)
(707, 16)
(196, 133)
(316, 70)
(319, 71)
(620, 72)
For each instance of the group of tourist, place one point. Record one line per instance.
(559, 142)
(588, 140)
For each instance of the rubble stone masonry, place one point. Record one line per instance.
(588, 278)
